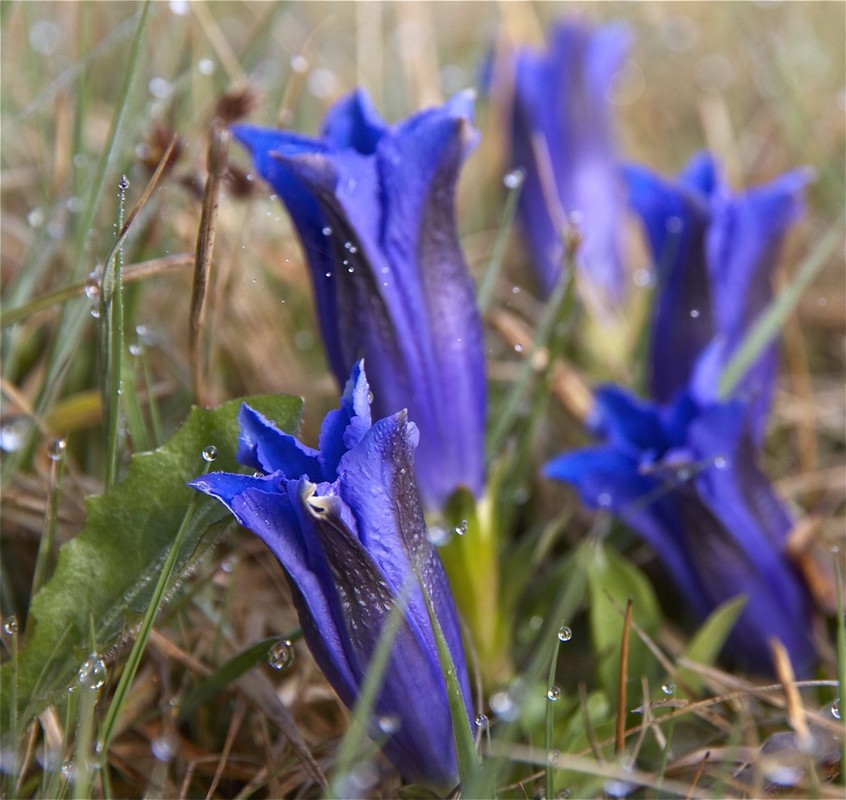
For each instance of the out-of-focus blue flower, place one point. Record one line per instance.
(373, 206)
(561, 135)
(714, 254)
(346, 525)
(683, 476)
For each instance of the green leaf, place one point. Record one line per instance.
(709, 639)
(105, 576)
(611, 581)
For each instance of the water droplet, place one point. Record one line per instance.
(668, 688)
(13, 433)
(673, 224)
(461, 528)
(481, 720)
(389, 724)
(92, 289)
(68, 769)
(835, 709)
(205, 66)
(35, 218)
(327, 231)
(209, 453)
(518, 348)
(299, 63)
(159, 88)
(721, 462)
(502, 704)
(553, 693)
(514, 179)
(281, 654)
(694, 313)
(643, 277)
(135, 350)
(75, 205)
(564, 634)
(56, 449)
(10, 625)
(552, 757)
(92, 673)
(164, 747)
(95, 312)
(45, 35)
(604, 500)
(438, 535)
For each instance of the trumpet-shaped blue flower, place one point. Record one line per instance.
(346, 525)
(373, 206)
(683, 476)
(714, 254)
(561, 135)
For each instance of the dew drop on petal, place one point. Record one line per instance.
(281, 654)
(389, 724)
(327, 231)
(209, 453)
(694, 313)
(721, 462)
(674, 224)
(604, 500)
(564, 634)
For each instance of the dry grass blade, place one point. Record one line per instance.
(795, 709)
(620, 737)
(216, 164)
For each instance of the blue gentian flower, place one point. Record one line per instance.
(561, 135)
(683, 476)
(373, 206)
(714, 253)
(345, 523)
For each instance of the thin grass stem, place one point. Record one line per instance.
(140, 643)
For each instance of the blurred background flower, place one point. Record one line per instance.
(562, 137)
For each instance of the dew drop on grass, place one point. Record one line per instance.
(281, 654)
(553, 693)
(92, 289)
(35, 218)
(92, 673)
(481, 720)
(206, 66)
(502, 704)
(835, 709)
(514, 179)
(564, 634)
(668, 688)
(10, 625)
(95, 312)
(461, 528)
(552, 757)
(209, 453)
(56, 449)
(13, 433)
(163, 747)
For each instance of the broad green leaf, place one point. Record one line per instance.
(611, 581)
(709, 639)
(105, 576)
